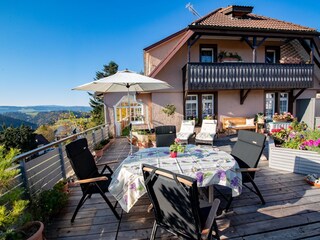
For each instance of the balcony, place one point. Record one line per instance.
(224, 76)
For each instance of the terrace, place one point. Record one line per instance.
(291, 211)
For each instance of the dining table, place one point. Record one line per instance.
(209, 166)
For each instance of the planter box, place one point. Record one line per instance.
(292, 160)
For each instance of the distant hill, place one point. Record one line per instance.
(40, 118)
(43, 108)
(9, 121)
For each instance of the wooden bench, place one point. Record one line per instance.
(238, 123)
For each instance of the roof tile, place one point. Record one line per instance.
(251, 21)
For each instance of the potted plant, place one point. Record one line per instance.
(176, 147)
(98, 150)
(49, 202)
(13, 215)
(260, 118)
(283, 117)
(225, 56)
(169, 109)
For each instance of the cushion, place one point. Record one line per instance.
(250, 121)
(183, 136)
(205, 136)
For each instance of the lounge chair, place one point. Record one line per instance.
(176, 205)
(186, 130)
(207, 133)
(90, 180)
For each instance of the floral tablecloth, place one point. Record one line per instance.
(209, 166)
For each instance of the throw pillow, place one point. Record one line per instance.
(250, 121)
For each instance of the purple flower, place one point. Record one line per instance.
(125, 198)
(133, 186)
(222, 175)
(292, 134)
(235, 182)
(199, 177)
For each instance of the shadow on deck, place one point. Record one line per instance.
(292, 209)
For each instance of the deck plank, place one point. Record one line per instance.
(292, 211)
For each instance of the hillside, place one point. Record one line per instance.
(9, 121)
(41, 118)
(43, 108)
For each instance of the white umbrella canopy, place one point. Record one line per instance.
(124, 81)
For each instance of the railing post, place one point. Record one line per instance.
(63, 168)
(24, 178)
(93, 137)
(102, 135)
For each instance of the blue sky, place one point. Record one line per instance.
(48, 47)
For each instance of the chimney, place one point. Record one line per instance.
(237, 11)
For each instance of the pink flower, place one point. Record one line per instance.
(177, 140)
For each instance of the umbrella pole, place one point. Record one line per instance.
(130, 127)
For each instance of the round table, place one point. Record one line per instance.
(207, 165)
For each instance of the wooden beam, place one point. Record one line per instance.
(307, 47)
(191, 42)
(298, 94)
(243, 95)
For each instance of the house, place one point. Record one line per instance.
(274, 63)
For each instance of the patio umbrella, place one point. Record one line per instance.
(125, 81)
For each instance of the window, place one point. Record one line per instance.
(136, 110)
(270, 105)
(208, 53)
(207, 105)
(191, 107)
(276, 102)
(283, 106)
(272, 54)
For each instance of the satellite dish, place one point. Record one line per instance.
(192, 10)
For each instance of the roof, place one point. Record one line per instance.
(221, 18)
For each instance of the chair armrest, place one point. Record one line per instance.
(91, 180)
(210, 220)
(248, 169)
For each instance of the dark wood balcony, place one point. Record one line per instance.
(219, 76)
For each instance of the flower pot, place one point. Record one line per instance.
(173, 154)
(98, 153)
(33, 230)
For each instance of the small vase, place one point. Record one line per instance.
(173, 154)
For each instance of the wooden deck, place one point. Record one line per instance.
(292, 211)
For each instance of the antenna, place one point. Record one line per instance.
(192, 10)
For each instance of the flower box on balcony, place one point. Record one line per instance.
(292, 160)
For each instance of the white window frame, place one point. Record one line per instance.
(204, 101)
(207, 49)
(274, 54)
(133, 109)
(272, 102)
(191, 102)
(283, 99)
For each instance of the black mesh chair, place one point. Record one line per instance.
(89, 178)
(176, 205)
(247, 152)
(165, 135)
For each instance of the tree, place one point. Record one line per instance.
(22, 138)
(97, 102)
(47, 131)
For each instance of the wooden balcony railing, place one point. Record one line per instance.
(204, 76)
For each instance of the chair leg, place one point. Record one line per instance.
(108, 202)
(228, 204)
(81, 202)
(154, 231)
(215, 226)
(258, 192)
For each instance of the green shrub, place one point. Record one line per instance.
(48, 203)
(12, 205)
